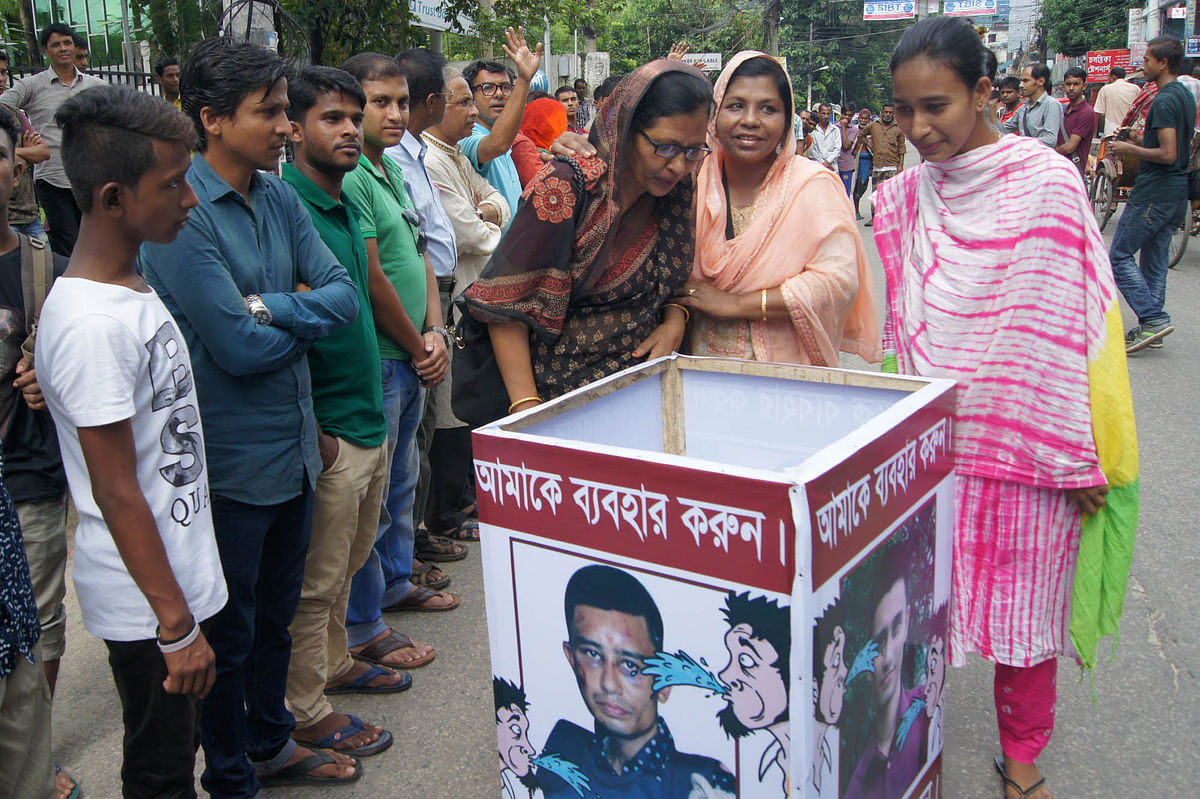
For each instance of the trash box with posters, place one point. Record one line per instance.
(709, 578)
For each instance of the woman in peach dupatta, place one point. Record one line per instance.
(780, 271)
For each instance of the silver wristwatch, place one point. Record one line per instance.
(258, 309)
(443, 332)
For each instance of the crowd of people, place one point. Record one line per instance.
(340, 328)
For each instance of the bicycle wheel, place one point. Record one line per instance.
(1102, 195)
(1179, 243)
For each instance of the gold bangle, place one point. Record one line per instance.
(687, 315)
(764, 305)
(512, 408)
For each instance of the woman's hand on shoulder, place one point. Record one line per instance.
(700, 296)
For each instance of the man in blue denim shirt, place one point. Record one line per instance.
(252, 285)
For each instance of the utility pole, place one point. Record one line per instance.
(810, 64)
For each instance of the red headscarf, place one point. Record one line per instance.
(545, 120)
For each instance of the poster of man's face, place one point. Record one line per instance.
(607, 650)
(635, 673)
(878, 669)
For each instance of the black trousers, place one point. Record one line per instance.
(450, 466)
(62, 216)
(162, 731)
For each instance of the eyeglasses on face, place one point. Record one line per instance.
(669, 150)
(489, 89)
(465, 103)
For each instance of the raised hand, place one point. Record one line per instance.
(527, 61)
(678, 51)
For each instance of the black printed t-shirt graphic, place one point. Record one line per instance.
(33, 467)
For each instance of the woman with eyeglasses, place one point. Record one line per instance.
(583, 284)
(780, 272)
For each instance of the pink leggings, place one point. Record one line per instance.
(1025, 702)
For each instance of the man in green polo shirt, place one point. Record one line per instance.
(326, 110)
(413, 348)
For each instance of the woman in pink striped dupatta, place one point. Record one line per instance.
(998, 278)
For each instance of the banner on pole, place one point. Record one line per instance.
(970, 8)
(1193, 46)
(1099, 62)
(902, 9)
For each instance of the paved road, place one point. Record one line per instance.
(1140, 739)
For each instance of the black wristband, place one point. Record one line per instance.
(158, 633)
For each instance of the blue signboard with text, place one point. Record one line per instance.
(905, 9)
(970, 8)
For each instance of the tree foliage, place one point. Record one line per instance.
(1075, 26)
(175, 25)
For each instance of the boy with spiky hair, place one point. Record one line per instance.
(114, 369)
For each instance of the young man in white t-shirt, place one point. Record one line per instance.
(116, 375)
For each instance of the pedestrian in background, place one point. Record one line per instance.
(1041, 116)
(1079, 121)
(1113, 100)
(1158, 203)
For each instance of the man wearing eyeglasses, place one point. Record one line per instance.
(500, 97)
(613, 625)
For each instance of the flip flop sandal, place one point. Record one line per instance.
(438, 549)
(417, 601)
(427, 575)
(377, 651)
(467, 530)
(1011, 783)
(355, 726)
(300, 772)
(76, 792)
(362, 683)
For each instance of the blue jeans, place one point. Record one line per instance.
(847, 180)
(385, 578)
(244, 721)
(1147, 228)
(33, 230)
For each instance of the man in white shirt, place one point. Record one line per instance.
(1114, 99)
(116, 373)
(479, 214)
(826, 139)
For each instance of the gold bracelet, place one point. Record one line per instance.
(687, 315)
(764, 305)
(512, 408)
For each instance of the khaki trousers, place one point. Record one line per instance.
(345, 520)
(25, 770)
(44, 530)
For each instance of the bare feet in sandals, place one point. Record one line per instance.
(347, 734)
(1022, 780)
(328, 767)
(421, 600)
(395, 650)
(64, 785)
